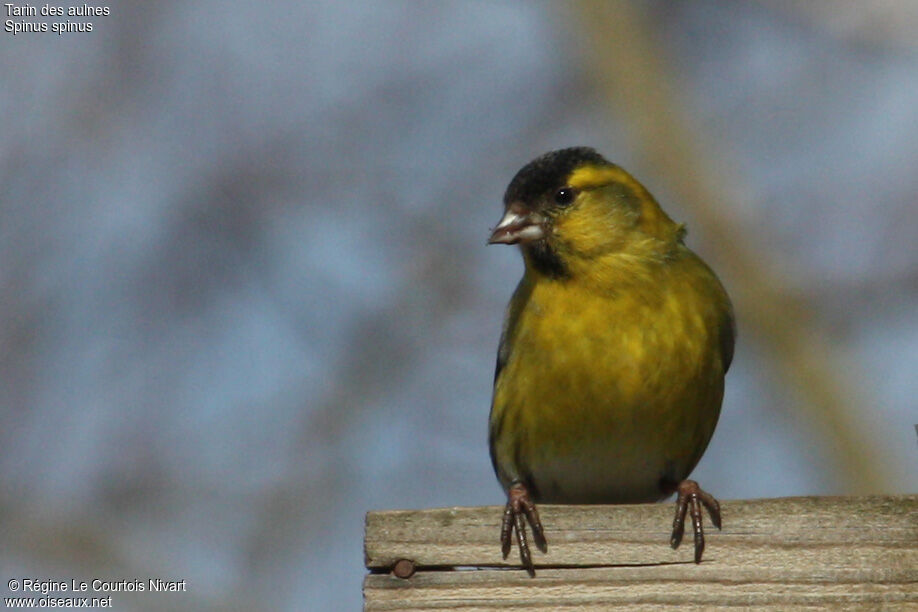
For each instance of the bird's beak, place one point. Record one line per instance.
(519, 224)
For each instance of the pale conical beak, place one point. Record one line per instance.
(518, 224)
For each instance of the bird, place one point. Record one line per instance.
(615, 344)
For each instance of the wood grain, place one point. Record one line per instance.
(849, 552)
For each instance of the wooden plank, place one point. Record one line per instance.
(859, 552)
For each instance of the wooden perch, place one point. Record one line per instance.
(859, 552)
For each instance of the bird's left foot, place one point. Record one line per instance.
(690, 498)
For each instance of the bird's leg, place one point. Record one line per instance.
(691, 498)
(520, 509)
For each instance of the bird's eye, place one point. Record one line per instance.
(564, 196)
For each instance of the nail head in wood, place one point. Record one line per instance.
(403, 568)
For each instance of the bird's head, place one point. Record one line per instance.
(572, 206)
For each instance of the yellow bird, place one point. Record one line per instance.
(610, 370)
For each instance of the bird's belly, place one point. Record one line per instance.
(613, 418)
(619, 467)
(615, 454)
(598, 476)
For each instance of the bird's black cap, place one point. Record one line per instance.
(548, 172)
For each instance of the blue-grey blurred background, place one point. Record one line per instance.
(245, 295)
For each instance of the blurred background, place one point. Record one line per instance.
(245, 295)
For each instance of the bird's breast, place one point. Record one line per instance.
(603, 395)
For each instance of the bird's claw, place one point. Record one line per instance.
(691, 498)
(520, 510)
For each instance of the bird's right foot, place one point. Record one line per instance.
(520, 510)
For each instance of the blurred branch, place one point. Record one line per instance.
(631, 72)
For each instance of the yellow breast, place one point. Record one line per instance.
(607, 387)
